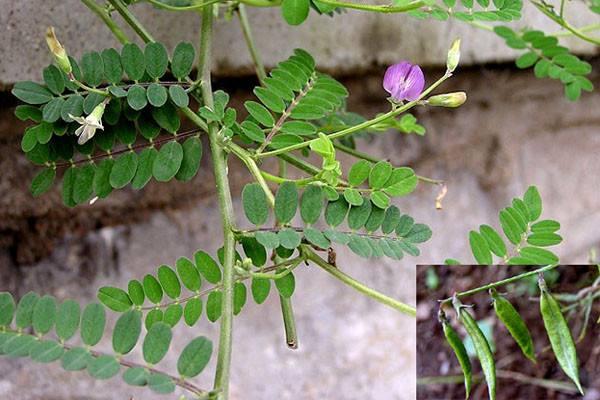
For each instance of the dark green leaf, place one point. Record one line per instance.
(173, 314)
(179, 96)
(358, 215)
(43, 181)
(123, 170)
(533, 200)
(316, 238)
(93, 321)
(143, 173)
(53, 77)
(101, 184)
(7, 309)
(286, 202)
(31, 93)
(25, 307)
(136, 97)
(260, 289)
(259, 113)
(157, 95)
(239, 297)
(152, 288)
(103, 367)
(114, 298)
(44, 315)
(67, 319)
(92, 67)
(493, 239)
(213, 305)
(167, 118)
(183, 60)
(127, 332)
(160, 383)
(83, 185)
(353, 197)
(132, 59)
(154, 316)
(135, 289)
(480, 248)
(208, 267)
(156, 59)
(113, 70)
(194, 357)
(169, 281)
(192, 311)
(311, 204)
(167, 162)
(190, 277)
(192, 154)
(286, 285)
(255, 204)
(336, 211)
(267, 239)
(75, 359)
(254, 250)
(136, 376)
(52, 110)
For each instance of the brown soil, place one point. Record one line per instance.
(436, 359)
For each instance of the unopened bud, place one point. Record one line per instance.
(58, 51)
(453, 56)
(451, 100)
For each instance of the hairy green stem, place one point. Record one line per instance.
(372, 293)
(108, 21)
(500, 283)
(253, 168)
(345, 132)
(198, 6)
(562, 22)
(245, 25)
(131, 20)
(385, 9)
(221, 383)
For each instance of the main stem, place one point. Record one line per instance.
(221, 383)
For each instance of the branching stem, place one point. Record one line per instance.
(372, 293)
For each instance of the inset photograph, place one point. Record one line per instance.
(508, 332)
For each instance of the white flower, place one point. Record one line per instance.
(89, 124)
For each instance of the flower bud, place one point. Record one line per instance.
(58, 51)
(453, 56)
(98, 111)
(451, 100)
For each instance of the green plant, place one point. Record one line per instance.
(112, 120)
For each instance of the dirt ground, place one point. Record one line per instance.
(438, 371)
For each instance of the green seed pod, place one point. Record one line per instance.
(461, 354)
(514, 323)
(481, 345)
(559, 335)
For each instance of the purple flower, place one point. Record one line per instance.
(404, 81)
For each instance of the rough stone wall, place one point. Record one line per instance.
(513, 131)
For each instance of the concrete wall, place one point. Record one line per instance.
(513, 131)
(346, 44)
